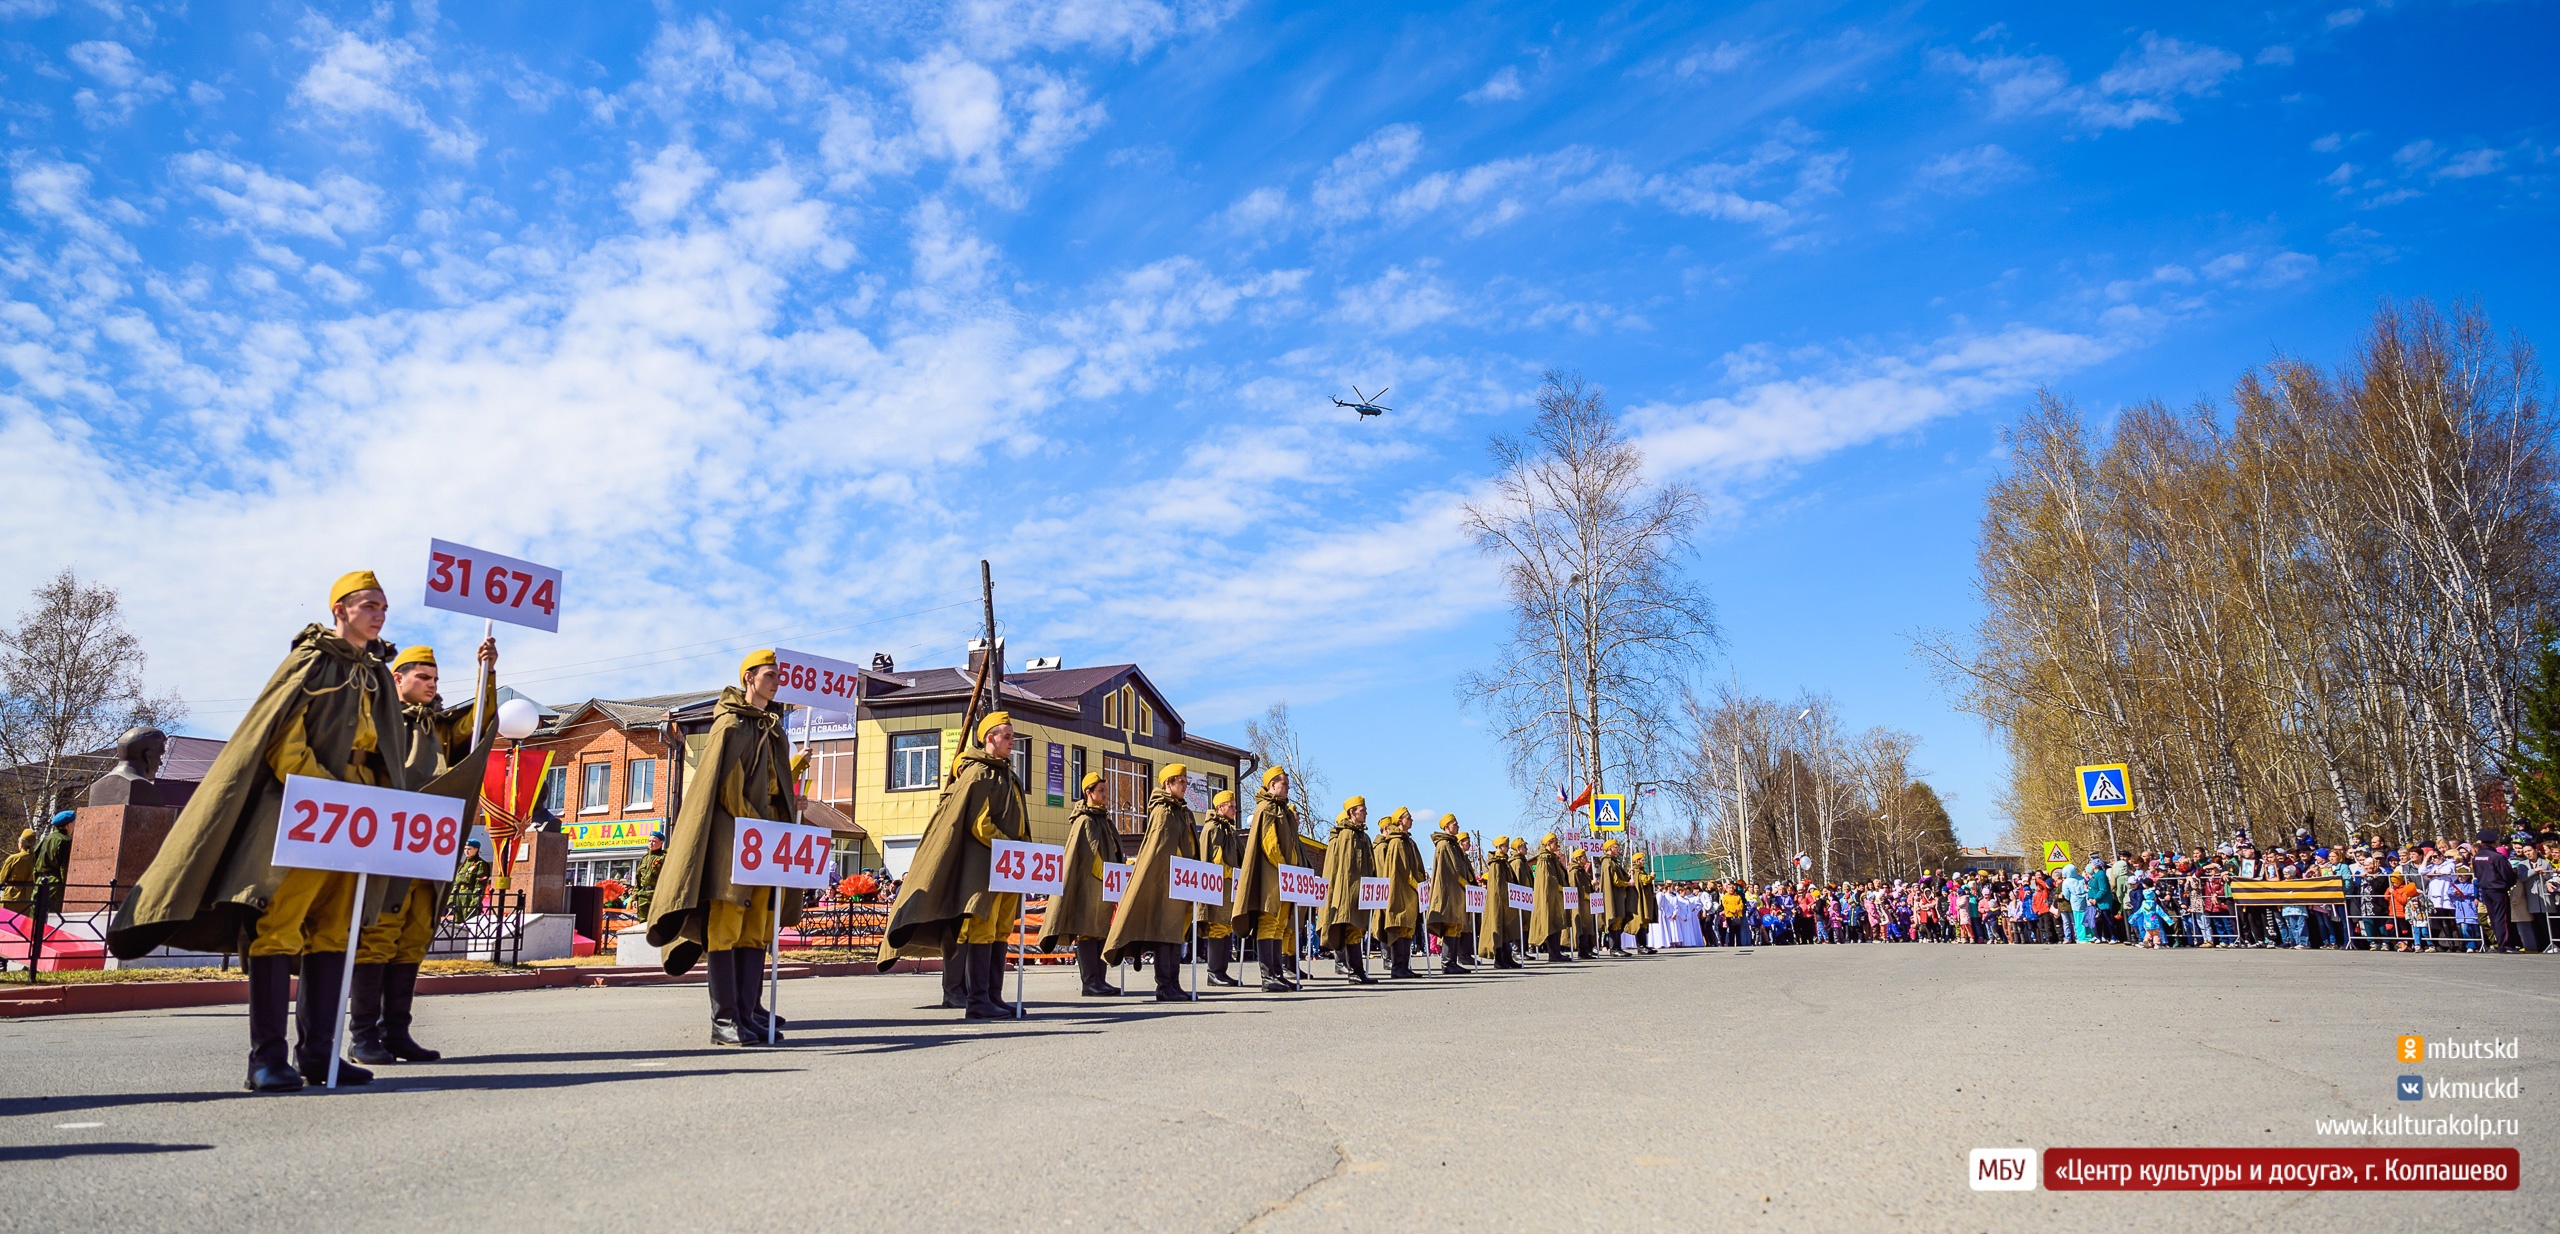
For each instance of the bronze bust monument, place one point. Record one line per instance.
(133, 781)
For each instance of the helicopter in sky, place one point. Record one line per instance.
(1366, 404)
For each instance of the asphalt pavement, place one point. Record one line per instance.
(1811, 1088)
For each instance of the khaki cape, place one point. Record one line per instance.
(1500, 924)
(747, 741)
(1148, 913)
(214, 873)
(1348, 858)
(1548, 922)
(1400, 863)
(1221, 842)
(1079, 911)
(948, 880)
(1275, 826)
(1451, 875)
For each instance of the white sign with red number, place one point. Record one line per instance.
(763, 853)
(1373, 893)
(463, 579)
(1475, 899)
(1199, 882)
(1572, 900)
(1300, 885)
(815, 681)
(360, 829)
(1032, 869)
(1115, 880)
(1522, 898)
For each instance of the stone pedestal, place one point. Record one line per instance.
(542, 872)
(113, 844)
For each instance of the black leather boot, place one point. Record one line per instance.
(1266, 954)
(1555, 950)
(1169, 974)
(399, 997)
(315, 1020)
(364, 1018)
(1090, 970)
(986, 982)
(270, 998)
(726, 1027)
(748, 970)
(955, 978)
(1222, 953)
(1399, 952)
(1358, 962)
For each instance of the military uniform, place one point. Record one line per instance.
(470, 883)
(1619, 892)
(1078, 915)
(1349, 857)
(1400, 863)
(1548, 923)
(390, 951)
(1271, 844)
(51, 866)
(945, 907)
(1148, 915)
(1586, 928)
(1451, 874)
(645, 883)
(1222, 843)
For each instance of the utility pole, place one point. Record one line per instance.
(1741, 810)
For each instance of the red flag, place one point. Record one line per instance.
(505, 812)
(1581, 801)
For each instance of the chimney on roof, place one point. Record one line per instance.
(978, 651)
(881, 663)
(1043, 664)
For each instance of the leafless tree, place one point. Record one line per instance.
(70, 681)
(1604, 622)
(1276, 742)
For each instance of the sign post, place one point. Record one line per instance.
(1299, 887)
(1027, 870)
(1475, 913)
(1198, 883)
(362, 830)
(2106, 788)
(776, 855)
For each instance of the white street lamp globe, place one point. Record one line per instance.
(517, 718)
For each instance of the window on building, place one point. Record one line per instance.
(1076, 771)
(1128, 707)
(642, 791)
(1111, 710)
(915, 761)
(1126, 781)
(1022, 760)
(555, 792)
(831, 771)
(1146, 720)
(596, 790)
(1217, 785)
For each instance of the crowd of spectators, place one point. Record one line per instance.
(2494, 893)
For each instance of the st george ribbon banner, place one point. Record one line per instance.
(815, 681)
(463, 579)
(1198, 882)
(1373, 893)
(1032, 869)
(362, 830)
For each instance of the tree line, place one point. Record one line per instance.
(2318, 608)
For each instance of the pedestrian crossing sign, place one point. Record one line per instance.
(2104, 788)
(1608, 812)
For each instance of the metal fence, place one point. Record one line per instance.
(75, 933)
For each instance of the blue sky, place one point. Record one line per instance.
(766, 325)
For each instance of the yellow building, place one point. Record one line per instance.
(1108, 719)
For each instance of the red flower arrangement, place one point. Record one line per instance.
(858, 887)
(614, 891)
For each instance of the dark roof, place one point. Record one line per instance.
(630, 713)
(1066, 682)
(189, 758)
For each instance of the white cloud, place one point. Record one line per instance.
(59, 193)
(354, 78)
(1975, 170)
(666, 185)
(116, 68)
(2278, 55)
(2343, 18)
(1502, 87)
(1348, 187)
(1129, 27)
(2330, 143)
(2416, 154)
(2144, 84)
(1719, 59)
(1773, 422)
(1397, 301)
(2471, 163)
(253, 199)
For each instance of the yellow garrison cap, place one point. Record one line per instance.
(1547, 839)
(755, 660)
(1520, 842)
(992, 721)
(1226, 796)
(1173, 771)
(420, 654)
(1448, 820)
(351, 582)
(1640, 859)
(1091, 779)
(1273, 772)
(1609, 845)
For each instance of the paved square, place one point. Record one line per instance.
(1814, 1088)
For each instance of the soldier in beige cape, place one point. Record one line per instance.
(1451, 875)
(1148, 916)
(1078, 914)
(1400, 863)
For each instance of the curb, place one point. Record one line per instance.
(101, 997)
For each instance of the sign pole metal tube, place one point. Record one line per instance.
(773, 999)
(1195, 949)
(1021, 905)
(346, 984)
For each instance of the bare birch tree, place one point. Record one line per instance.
(70, 682)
